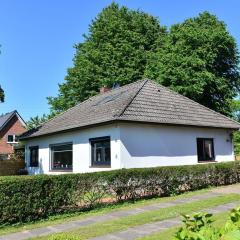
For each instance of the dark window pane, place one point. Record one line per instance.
(208, 149)
(62, 157)
(34, 156)
(62, 147)
(101, 153)
(107, 154)
(205, 149)
(99, 156)
(10, 138)
(200, 149)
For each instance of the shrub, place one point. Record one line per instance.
(199, 227)
(10, 167)
(29, 198)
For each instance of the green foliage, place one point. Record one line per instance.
(28, 198)
(236, 109)
(236, 140)
(64, 236)
(199, 60)
(1, 95)
(199, 227)
(36, 121)
(114, 51)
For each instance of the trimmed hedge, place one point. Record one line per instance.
(11, 167)
(29, 198)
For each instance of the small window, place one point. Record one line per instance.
(12, 139)
(205, 149)
(101, 153)
(16, 139)
(34, 156)
(61, 156)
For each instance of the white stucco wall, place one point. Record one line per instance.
(81, 149)
(134, 146)
(145, 145)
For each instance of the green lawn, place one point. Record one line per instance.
(219, 221)
(146, 217)
(57, 219)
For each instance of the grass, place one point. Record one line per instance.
(124, 223)
(219, 221)
(58, 219)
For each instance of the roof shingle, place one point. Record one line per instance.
(5, 117)
(142, 101)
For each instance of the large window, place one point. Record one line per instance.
(33, 156)
(61, 156)
(101, 153)
(205, 149)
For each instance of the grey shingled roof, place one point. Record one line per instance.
(142, 101)
(4, 118)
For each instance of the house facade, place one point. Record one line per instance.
(136, 126)
(11, 126)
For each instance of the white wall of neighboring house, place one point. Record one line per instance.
(135, 146)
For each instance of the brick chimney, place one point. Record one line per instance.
(104, 89)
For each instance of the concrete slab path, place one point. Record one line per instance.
(159, 226)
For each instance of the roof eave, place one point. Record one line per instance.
(67, 130)
(126, 121)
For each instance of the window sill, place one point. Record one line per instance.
(60, 170)
(209, 161)
(100, 166)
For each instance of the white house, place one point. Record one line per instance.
(139, 125)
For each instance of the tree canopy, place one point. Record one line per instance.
(36, 121)
(1, 95)
(199, 60)
(114, 51)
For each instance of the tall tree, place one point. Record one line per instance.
(36, 121)
(199, 60)
(114, 51)
(1, 95)
(236, 109)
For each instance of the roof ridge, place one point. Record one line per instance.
(4, 114)
(89, 99)
(209, 109)
(129, 103)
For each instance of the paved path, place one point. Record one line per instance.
(151, 228)
(111, 216)
(227, 189)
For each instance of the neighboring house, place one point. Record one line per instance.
(11, 125)
(139, 125)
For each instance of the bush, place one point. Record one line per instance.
(199, 227)
(29, 198)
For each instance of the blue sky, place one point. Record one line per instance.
(37, 39)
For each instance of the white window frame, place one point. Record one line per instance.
(14, 138)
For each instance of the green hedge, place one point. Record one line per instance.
(28, 198)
